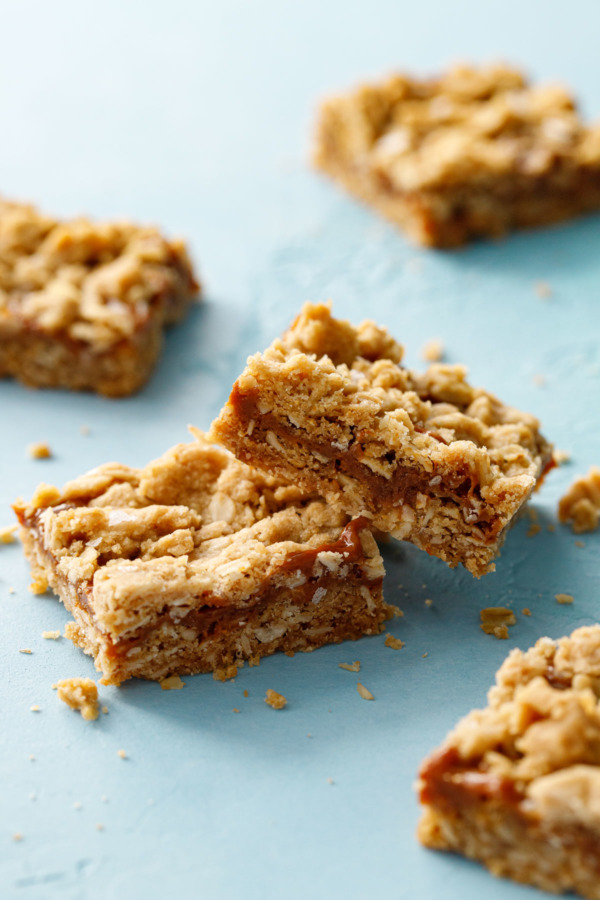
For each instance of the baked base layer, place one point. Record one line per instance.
(453, 218)
(212, 638)
(40, 360)
(512, 846)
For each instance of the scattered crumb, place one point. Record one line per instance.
(26, 650)
(85, 429)
(564, 598)
(539, 380)
(226, 673)
(39, 585)
(433, 350)
(17, 836)
(122, 754)
(581, 504)
(275, 700)
(245, 692)
(579, 544)
(543, 290)
(99, 826)
(77, 805)
(534, 529)
(80, 694)
(350, 667)
(35, 708)
(39, 450)
(172, 683)
(395, 610)
(11, 590)
(32, 757)
(495, 619)
(51, 635)
(428, 602)
(7, 534)
(105, 710)
(235, 709)
(393, 642)
(561, 457)
(364, 692)
(330, 781)
(526, 611)
(424, 655)
(104, 798)
(309, 735)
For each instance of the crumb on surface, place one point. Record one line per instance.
(496, 619)
(539, 380)
(172, 683)
(245, 692)
(534, 529)
(330, 781)
(39, 585)
(395, 610)
(99, 826)
(31, 757)
(227, 673)
(85, 430)
(80, 694)
(7, 534)
(11, 590)
(275, 700)
(26, 650)
(526, 611)
(364, 692)
(543, 290)
(561, 456)
(35, 708)
(77, 805)
(425, 655)
(433, 350)
(122, 754)
(580, 505)
(39, 450)
(428, 602)
(51, 635)
(350, 667)
(105, 710)
(564, 599)
(235, 709)
(579, 544)
(393, 642)
(17, 836)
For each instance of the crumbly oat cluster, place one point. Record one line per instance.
(581, 504)
(474, 152)
(523, 775)
(426, 457)
(196, 563)
(83, 304)
(80, 694)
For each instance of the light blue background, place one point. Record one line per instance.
(197, 116)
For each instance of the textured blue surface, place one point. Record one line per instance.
(197, 116)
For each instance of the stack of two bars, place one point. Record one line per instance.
(201, 561)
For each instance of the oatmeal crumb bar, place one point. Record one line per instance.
(197, 563)
(517, 785)
(475, 152)
(425, 457)
(83, 305)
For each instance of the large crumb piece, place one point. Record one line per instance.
(80, 694)
(393, 642)
(7, 535)
(41, 450)
(426, 456)
(516, 785)
(581, 504)
(198, 563)
(172, 683)
(350, 667)
(275, 700)
(51, 635)
(564, 599)
(364, 692)
(496, 619)
(473, 153)
(83, 305)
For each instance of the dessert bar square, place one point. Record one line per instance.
(475, 152)
(517, 785)
(425, 457)
(83, 305)
(196, 563)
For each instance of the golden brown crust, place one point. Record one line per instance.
(82, 304)
(197, 563)
(474, 152)
(425, 457)
(517, 785)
